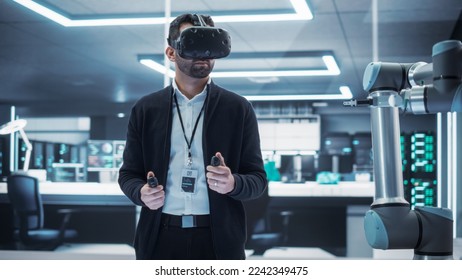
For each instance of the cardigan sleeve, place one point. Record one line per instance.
(131, 180)
(250, 180)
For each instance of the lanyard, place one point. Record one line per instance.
(189, 142)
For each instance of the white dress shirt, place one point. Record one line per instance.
(178, 202)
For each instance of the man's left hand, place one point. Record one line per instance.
(220, 178)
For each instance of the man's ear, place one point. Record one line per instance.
(170, 52)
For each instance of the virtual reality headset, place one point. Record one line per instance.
(202, 42)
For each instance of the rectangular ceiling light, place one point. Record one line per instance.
(154, 63)
(331, 67)
(156, 66)
(331, 70)
(345, 93)
(301, 12)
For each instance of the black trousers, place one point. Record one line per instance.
(176, 243)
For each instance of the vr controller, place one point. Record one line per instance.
(202, 42)
(215, 161)
(153, 182)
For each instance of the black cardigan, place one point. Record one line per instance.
(230, 127)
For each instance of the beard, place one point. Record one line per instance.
(195, 68)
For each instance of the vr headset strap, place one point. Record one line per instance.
(200, 20)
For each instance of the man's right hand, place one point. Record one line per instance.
(153, 198)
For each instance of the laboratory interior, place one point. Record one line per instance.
(358, 103)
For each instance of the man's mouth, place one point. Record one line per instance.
(203, 62)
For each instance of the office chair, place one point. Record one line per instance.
(25, 198)
(260, 235)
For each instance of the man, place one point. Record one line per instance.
(196, 211)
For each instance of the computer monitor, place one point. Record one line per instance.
(62, 153)
(49, 150)
(345, 163)
(287, 168)
(286, 165)
(104, 155)
(308, 168)
(324, 163)
(68, 172)
(335, 163)
(362, 149)
(21, 150)
(38, 155)
(337, 144)
(362, 140)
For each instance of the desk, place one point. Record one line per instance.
(313, 189)
(295, 253)
(107, 215)
(83, 193)
(77, 193)
(325, 216)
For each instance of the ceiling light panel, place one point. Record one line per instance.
(108, 13)
(106, 7)
(259, 64)
(280, 63)
(254, 65)
(343, 93)
(251, 65)
(111, 7)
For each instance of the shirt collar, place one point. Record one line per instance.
(198, 98)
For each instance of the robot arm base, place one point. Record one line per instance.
(391, 226)
(427, 230)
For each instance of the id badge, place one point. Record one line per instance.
(188, 180)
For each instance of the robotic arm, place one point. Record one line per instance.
(425, 88)
(421, 89)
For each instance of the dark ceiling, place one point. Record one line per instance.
(47, 69)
